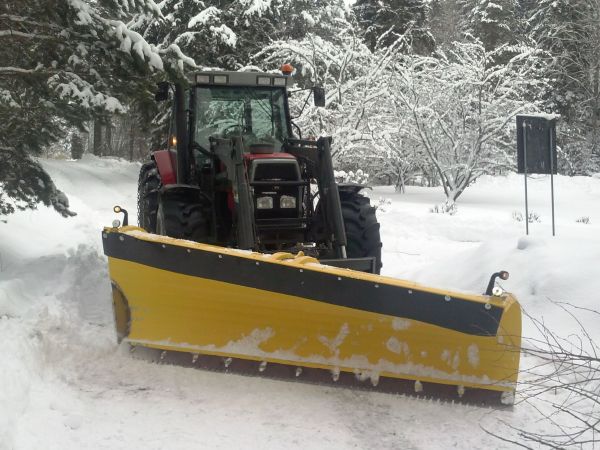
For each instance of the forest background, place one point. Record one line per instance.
(418, 92)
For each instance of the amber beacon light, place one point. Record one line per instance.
(287, 69)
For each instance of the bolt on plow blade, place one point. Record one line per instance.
(281, 310)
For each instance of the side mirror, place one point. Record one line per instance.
(162, 91)
(319, 96)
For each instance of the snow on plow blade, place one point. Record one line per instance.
(179, 295)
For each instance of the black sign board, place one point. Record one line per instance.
(536, 143)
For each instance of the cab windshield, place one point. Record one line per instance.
(258, 114)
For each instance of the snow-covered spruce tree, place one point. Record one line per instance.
(446, 22)
(225, 35)
(493, 22)
(461, 108)
(570, 32)
(218, 34)
(384, 21)
(62, 62)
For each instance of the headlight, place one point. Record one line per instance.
(287, 202)
(264, 203)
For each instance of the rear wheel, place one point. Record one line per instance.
(147, 201)
(179, 218)
(362, 227)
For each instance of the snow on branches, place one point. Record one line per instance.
(70, 86)
(460, 107)
(64, 62)
(130, 41)
(343, 67)
(24, 184)
(364, 123)
(448, 116)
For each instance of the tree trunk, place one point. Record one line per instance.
(97, 143)
(400, 184)
(109, 144)
(131, 140)
(596, 109)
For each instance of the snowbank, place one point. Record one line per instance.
(462, 251)
(64, 384)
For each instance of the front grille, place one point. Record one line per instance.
(275, 178)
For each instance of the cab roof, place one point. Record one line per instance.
(223, 78)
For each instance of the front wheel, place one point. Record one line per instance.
(362, 228)
(180, 218)
(147, 201)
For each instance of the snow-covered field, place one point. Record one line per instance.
(65, 385)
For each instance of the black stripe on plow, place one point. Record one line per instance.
(453, 313)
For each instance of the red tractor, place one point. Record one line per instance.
(235, 175)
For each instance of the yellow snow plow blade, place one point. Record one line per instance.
(179, 295)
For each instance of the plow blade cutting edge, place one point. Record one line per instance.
(178, 295)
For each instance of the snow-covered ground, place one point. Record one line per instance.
(65, 385)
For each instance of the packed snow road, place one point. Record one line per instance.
(64, 384)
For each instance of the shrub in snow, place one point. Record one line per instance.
(444, 208)
(383, 204)
(358, 177)
(563, 384)
(533, 217)
(394, 114)
(585, 220)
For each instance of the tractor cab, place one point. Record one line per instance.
(258, 114)
(235, 175)
(250, 110)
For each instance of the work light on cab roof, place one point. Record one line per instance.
(216, 79)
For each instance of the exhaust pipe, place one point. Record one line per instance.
(333, 205)
(181, 132)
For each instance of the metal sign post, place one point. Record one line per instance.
(536, 153)
(552, 180)
(525, 177)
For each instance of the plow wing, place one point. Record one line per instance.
(178, 295)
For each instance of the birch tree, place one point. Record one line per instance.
(461, 108)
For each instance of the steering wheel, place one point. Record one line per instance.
(226, 131)
(196, 146)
